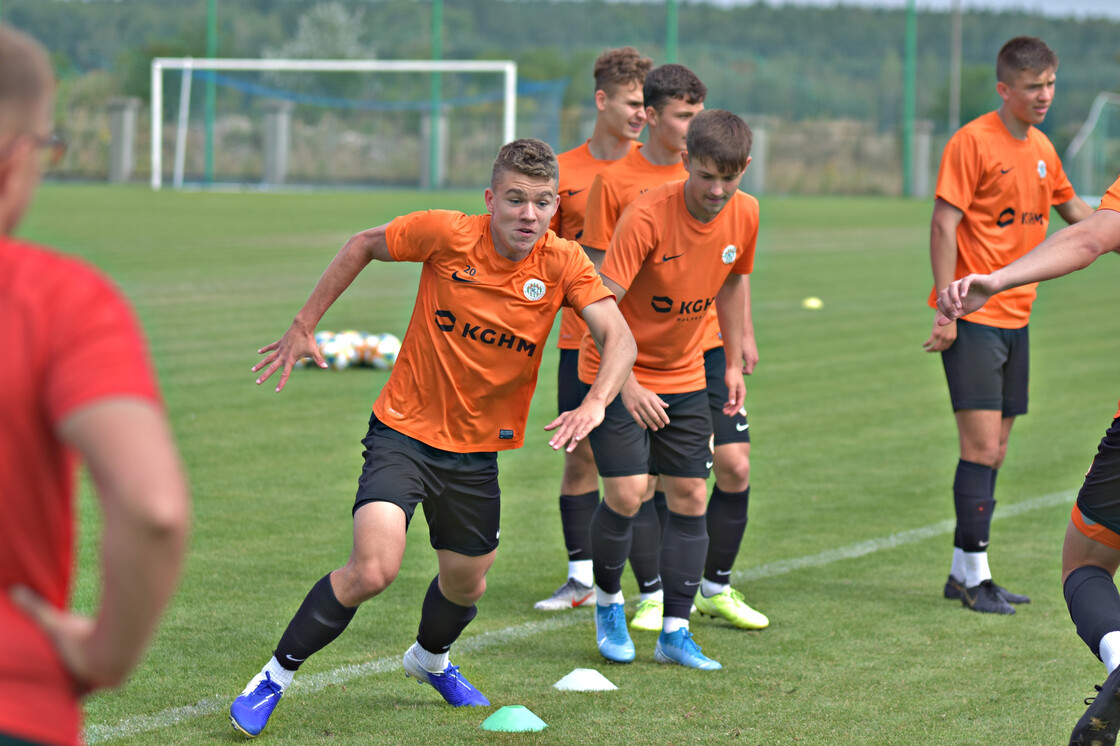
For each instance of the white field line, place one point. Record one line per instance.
(314, 682)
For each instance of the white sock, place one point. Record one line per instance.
(279, 674)
(957, 568)
(709, 589)
(602, 598)
(976, 568)
(581, 570)
(671, 624)
(1110, 650)
(658, 595)
(434, 662)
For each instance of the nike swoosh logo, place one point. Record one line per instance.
(648, 583)
(667, 258)
(1006, 170)
(573, 552)
(723, 572)
(455, 276)
(295, 660)
(577, 601)
(741, 428)
(614, 567)
(982, 544)
(691, 584)
(708, 463)
(570, 192)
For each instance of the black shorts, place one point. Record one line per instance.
(988, 368)
(569, 390)
(1099, 498)
(734, 429)
(459, 491)
(681, 449)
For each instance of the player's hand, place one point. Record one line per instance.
(574, 425)
(942, 336)
(298, 342)
(646, 407)
(71, 636)
(750, 355)
(965, 296)
(736, 391)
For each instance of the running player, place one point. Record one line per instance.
(619, 74)
(999, 177)
(678, 249)
(1091, 552)
(489, 291)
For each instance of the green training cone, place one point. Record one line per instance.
(513, 719)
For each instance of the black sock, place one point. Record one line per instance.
(575, 516)
(682, 561)
(726, 521)
(610, 544)
(645, 548)
(662, 506)
(319, 620)
(1094, 604)
(441, 621)
(972, 498)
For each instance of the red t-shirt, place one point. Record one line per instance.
(69, 340)
(469, 361)
(1005, 188)
(672, 266)
(578, 169)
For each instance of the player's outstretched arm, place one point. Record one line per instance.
(617, 354)
(299, 341)
(730, 307)
(139, 481)
(1070, 249)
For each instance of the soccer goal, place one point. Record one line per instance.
(1092, 159)
(275, 121)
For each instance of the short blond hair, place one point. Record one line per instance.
(528, 157)
(25, 78)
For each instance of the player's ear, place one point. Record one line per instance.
(685, 161)
(1003, 90)
(600, 99)
(489, 198)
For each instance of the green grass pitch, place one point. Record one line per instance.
(846, 551)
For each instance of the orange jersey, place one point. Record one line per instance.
(1111, 201)
(1005, 187)
(578, 169)
(468, 364)
(672, 267)
(615, 188)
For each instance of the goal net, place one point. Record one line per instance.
(339, 122)
(1092, 159)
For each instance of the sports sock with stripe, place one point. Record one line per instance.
(575, 517)
(645, 548)
(726, 522)
(610, 545)
(682, 562)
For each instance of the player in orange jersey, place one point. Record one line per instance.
(679, 248)
(1091, 552)
(76, 382)
(490, 289)
(999, 177)
(619, 74)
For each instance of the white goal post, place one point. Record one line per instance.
(507, 68)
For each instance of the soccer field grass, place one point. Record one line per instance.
(847, 549)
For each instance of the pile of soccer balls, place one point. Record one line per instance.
(350, 348)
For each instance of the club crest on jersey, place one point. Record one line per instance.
(533, 290)
(729, 253)
(1041, 169)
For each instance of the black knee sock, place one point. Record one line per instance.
(610, 544)
(726, 521)
(319, 620)
(1094, 604)
(645, 548)
(575, 515)
(682, 561)
(441, 621)
(972, 498)
(662, 506)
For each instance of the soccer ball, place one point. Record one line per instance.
(339, 353)
(385, 355)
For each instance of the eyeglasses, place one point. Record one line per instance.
(53, 144)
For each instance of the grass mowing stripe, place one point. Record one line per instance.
(315, 682)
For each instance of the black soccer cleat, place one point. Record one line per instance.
(1101, 721)
(985, 597)
(953, 588)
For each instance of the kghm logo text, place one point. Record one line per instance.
(1008, 217)
(446, 322)
(665, 304)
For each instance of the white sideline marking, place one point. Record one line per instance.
(315, 682)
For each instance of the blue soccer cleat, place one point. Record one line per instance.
(679, 647)
(250, 712)
(610, 633)
(451, 684)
